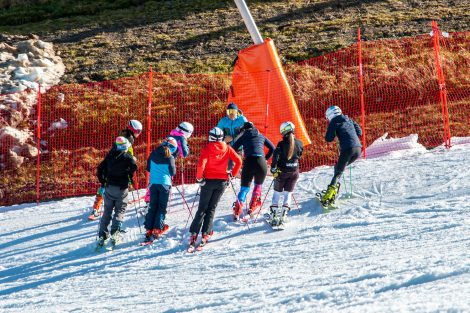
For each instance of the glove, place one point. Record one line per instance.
(201, 181)
(229, 173)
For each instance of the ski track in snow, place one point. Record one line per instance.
(398, 243)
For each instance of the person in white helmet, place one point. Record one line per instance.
(213, 177)
(348, 133)
(182, 134)
(131, 132)
(285, 169)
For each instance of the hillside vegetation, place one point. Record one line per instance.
(102, 39)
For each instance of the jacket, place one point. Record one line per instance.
(161, 169)
(280, 155)
(213, 161)
(347, 131)
(117, 169)
(232, 128)
(253, 144)
(183, 148)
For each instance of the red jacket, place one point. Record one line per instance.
(213, 161)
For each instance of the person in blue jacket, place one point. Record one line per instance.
(161, 166)
(232, 123)
(254, 165)
(348, 133)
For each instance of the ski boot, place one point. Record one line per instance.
(273, 218)
(148, 234)
(115, 237)
(255, 205)
(327, 197)
(192, 243)
(206, 237)
(101, 243)
(285, 210)
(96, 211)
(237, 208)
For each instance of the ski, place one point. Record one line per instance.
(191, 249)
(93, 216)
(326, 207)
(267, 218)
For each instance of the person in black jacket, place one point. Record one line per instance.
(285, 169)
(348, 133)
(254, 165)
(114, 173)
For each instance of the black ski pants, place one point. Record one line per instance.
(254, 166)
(211, 193)
(346, 157)
(286, 181)
(159, 195)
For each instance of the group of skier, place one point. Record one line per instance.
(219, 161)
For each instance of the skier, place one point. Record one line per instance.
(254, 165)
(114, 173)
(285, 169)
(232, 125)
(348, 133)
(182, 134)
(133, 130)
(213, 177)
(161, 166)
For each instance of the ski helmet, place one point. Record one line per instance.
(286, 128)
(171, 143)
(122, 144)
(135, 126)
(216, 134)
(332, 111)
(186, 128)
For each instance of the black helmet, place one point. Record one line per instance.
(248, 125)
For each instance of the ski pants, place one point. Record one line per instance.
(115, 199)
(254, 166)
(155, 217)
(286, 181)
(211, 193)
(346, 157)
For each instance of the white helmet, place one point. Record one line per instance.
(287, 127)
(216, 134)
(135, 126)
(186, 128)
(332, 111)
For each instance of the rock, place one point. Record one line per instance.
(29, 151)
(14, 160)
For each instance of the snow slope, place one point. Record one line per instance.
(399, 243)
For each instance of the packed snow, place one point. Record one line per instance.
(398, 242)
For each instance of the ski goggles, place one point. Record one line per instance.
(232, 111)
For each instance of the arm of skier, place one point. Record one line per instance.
(276, 156)
(172, 166)
(268, 144)
(237, 160)
(330, 132)
(357, 128)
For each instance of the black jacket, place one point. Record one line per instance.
(253, 143)
(116, 169)
(280, 155)
(346, 129)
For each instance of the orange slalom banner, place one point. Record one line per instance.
(261, 90)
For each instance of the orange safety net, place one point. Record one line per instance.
(77, 124)
(261, 90)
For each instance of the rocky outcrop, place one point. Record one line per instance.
(24, 65)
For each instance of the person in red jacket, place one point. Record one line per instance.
(212, 175)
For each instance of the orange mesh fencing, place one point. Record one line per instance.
(78, 123)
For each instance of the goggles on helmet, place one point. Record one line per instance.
(232, 111)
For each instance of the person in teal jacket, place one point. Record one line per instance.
(232, 124)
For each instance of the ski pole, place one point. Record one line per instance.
(184, 201)
(192, 206)
(136, 213)
(262, 203)
(295, 201)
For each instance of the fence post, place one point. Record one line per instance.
(361, 88)
(38, 136)
(149, 120)
(442, 85)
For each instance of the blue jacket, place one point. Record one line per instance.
(253, 144)
(346, 129)
(232, 128)
(161, 169)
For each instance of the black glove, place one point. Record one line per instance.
(201, 182)
(229, 173)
